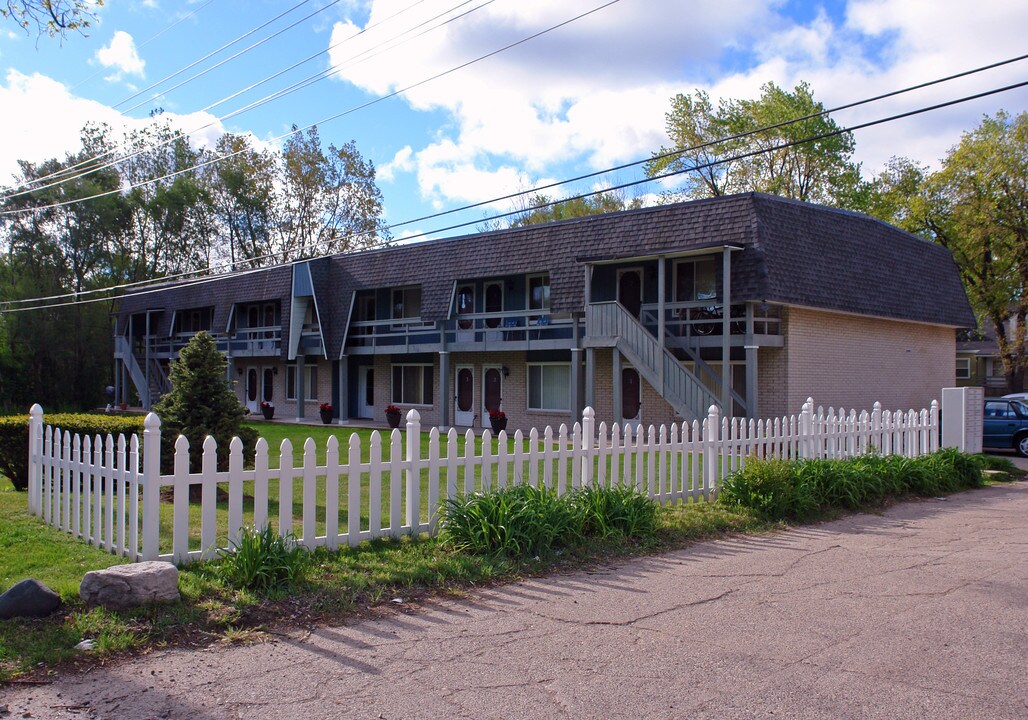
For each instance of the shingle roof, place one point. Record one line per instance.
(791, 252)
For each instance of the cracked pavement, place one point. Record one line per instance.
(919, 612)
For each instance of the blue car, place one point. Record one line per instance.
(1006, 425)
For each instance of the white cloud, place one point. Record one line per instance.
(48, 119)
(595, 91)
(121, 54)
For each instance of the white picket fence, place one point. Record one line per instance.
(99, 490)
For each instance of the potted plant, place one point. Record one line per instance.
(393, 415)
(326, 412)
(267, 409)
(498, 419)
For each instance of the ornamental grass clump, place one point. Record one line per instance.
(527, 521)
(262, 561)
(803, 489)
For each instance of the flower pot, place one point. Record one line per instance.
(326, 416)
(498, 424)
(393, 418)
(268, 412)
(123, 406)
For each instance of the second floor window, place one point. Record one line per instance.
(407, 302)
(539, 292)
(696, 279)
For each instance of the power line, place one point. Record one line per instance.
(66, 171)
(164, 286)
(395, 93)
(65, 174)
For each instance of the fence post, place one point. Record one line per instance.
(711, 433)
(35, 459)
(806, 442)
(588, 433)
(933, 427)
(151, 486)
(876, 427)
(413, 471)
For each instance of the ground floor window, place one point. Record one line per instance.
(549, 386)
(963, 368)
(412, 385)
(310, 386)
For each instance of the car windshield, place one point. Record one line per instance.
(1021, 407)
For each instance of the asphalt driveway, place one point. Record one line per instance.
(920, 612)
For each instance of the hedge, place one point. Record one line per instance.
(14, 437)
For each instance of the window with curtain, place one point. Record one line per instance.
(549, 386)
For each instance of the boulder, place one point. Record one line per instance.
(29, 598)
(125, 586)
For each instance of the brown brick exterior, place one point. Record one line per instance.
(852, 361)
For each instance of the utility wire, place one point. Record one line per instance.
(165, 286)
(65, 174)
(65, 171)
(330, 118)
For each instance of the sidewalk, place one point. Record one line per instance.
(918, 612)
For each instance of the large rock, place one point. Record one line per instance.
(29, 598)
(125, 586)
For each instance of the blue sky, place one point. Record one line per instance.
(584, 97)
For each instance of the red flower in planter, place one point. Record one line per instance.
(325, 407)
(497, 415)
(392, 409)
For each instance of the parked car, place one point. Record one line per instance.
(1006, 425)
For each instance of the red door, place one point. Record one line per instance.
(631, 394)
(492, 392)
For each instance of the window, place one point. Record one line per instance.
(963, 368)
(407, 302)
(696, 280)
(999, 410)
(310, 374)
(549, 386)
(412, 385)
(539, 292)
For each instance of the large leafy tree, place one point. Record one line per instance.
(809, 160)
(976, 205)
(542, 208)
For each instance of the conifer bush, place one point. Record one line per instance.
(201, 403)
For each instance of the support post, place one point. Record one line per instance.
(576, 383)
(726, 326)
(343, 378)
(151, 486)
(301, 388)
(145, 398)
(616, 386)
(661, 319)
(590, 377)
(444, 390)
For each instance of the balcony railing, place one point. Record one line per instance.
(521, 329)
(703, 318)
(252, 342)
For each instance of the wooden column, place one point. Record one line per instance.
(726, 327)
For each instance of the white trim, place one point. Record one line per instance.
(967, 365)
(459, 416)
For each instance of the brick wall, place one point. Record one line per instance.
(285, 409)
(852, 361)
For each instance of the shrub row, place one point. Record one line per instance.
(528, 521)
(802, 490)
(14, 437)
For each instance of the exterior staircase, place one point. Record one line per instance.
(149, 392)
(681, 388)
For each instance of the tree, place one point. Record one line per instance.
(976, 205)
(540, 210)
(329, 203)
(820, 170)
(52, 17)
(243, 195)
(201, 403)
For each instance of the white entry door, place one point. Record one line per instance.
(366, 392)
(253, 398)
(464, 408)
